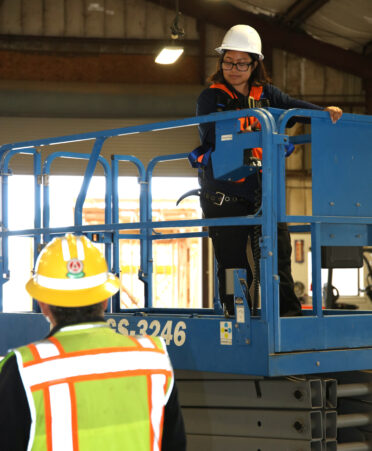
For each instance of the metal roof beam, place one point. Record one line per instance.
(85, 45)
(301, 10)
(367, 49)
(276, 35)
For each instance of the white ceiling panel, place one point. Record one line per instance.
(344, 23)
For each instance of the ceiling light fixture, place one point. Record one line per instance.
(170, 54)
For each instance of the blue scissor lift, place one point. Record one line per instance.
(203, 340)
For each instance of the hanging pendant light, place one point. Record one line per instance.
(170, 53)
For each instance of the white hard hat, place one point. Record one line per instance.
(242, 38)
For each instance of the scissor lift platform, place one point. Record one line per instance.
(265, 344)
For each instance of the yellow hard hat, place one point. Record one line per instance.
(71, 272)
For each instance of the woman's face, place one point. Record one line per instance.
(238, 78)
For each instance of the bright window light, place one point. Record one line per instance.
(169, 55)
(348, 281)
(177, 263)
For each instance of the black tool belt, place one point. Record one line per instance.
(215, 197)
(218, 198)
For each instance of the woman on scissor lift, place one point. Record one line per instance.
(241, 82)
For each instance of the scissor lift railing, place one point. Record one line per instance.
(202, 339)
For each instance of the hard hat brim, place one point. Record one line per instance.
(222, 49)
(74, 298)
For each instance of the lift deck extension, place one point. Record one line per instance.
(321, 341)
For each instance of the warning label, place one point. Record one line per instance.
(226, 332)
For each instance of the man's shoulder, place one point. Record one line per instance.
(5, 361)
(8, 367)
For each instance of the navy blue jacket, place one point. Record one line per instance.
(207, 103)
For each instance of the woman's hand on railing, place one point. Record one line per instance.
(335, 113)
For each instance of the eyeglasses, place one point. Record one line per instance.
(241, 67)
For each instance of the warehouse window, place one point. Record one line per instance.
(177, 272)
(347, 281)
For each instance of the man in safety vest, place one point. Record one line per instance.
(85, 387)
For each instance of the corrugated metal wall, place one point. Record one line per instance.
(87, 18)
(321, 85)
(111, 41)
(139, 19)
(144, 146)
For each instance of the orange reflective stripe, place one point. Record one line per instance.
(141, 347)
(91, 377)
(74, 421)
(134, 341)
(35, 354)
(48, 419)
(57, 344)
(154, 343)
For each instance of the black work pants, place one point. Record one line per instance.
(230, 245)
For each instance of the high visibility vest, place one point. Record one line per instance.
(91, 389)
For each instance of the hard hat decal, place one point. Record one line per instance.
(75, 268)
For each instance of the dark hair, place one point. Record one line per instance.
(74, 315)
(259, 76)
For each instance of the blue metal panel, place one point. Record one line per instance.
(320, 362)
(215, 344)
(316, 269)
(230, 152)
(344, 234)
(228, 156)
(340, 331)
(341, 164)
(17, 329)
(218, 346)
